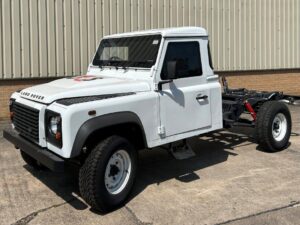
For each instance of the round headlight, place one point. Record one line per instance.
(54, 122)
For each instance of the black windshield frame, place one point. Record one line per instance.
(142, 51)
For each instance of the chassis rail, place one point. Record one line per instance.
(240, 101)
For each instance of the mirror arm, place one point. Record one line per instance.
(160, 83)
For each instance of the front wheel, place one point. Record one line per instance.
(108, 173)
(273, 126)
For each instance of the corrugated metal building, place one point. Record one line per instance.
(54, 38)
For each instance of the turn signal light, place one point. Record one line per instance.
(92, 113)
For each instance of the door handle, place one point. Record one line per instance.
(201, 97)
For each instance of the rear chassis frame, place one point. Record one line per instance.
(238, 102)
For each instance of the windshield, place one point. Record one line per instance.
(128, 51)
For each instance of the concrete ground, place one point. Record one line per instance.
(229, 181)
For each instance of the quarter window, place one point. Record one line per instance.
(187, 58)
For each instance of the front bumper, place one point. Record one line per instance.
(42, 155)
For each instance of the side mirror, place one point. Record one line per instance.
(171, 69)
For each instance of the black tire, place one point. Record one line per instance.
(31, 161)
(265, 126)
(92, 174)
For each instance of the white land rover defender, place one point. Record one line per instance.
(142, 90)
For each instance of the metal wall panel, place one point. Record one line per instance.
(7, 38)
(40, 38)
(43, 39)
(16, 33)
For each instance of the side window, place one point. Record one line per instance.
(185, 57)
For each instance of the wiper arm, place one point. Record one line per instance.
(123, 66)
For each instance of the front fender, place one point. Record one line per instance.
(101, 122)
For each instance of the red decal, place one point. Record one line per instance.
(85, 78)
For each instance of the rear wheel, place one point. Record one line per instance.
(31, 161)
(108, 174)
(273, 126)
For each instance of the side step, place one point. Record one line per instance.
(181, 150)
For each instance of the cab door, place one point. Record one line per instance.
(184, 101)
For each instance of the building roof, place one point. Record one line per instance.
(165, 32)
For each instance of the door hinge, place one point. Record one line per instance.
(161, 131)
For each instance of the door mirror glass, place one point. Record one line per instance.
(171, 68)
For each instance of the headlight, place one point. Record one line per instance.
(54, 123)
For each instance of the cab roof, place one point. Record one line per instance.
(165, 32)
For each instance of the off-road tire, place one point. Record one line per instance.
(264, 126)
(31, 161)
(92, 174)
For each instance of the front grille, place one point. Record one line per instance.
(26, 121)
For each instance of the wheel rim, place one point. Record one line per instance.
(117, 172)
(279, 127)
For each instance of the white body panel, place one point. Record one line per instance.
(178, 100)
(174, 108)
(70, 87)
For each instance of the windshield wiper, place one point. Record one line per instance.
(101, 64)
(118, 64)
(123, 66)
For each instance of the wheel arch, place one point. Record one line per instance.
(109, 123)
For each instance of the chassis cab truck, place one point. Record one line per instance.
(142, 90)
